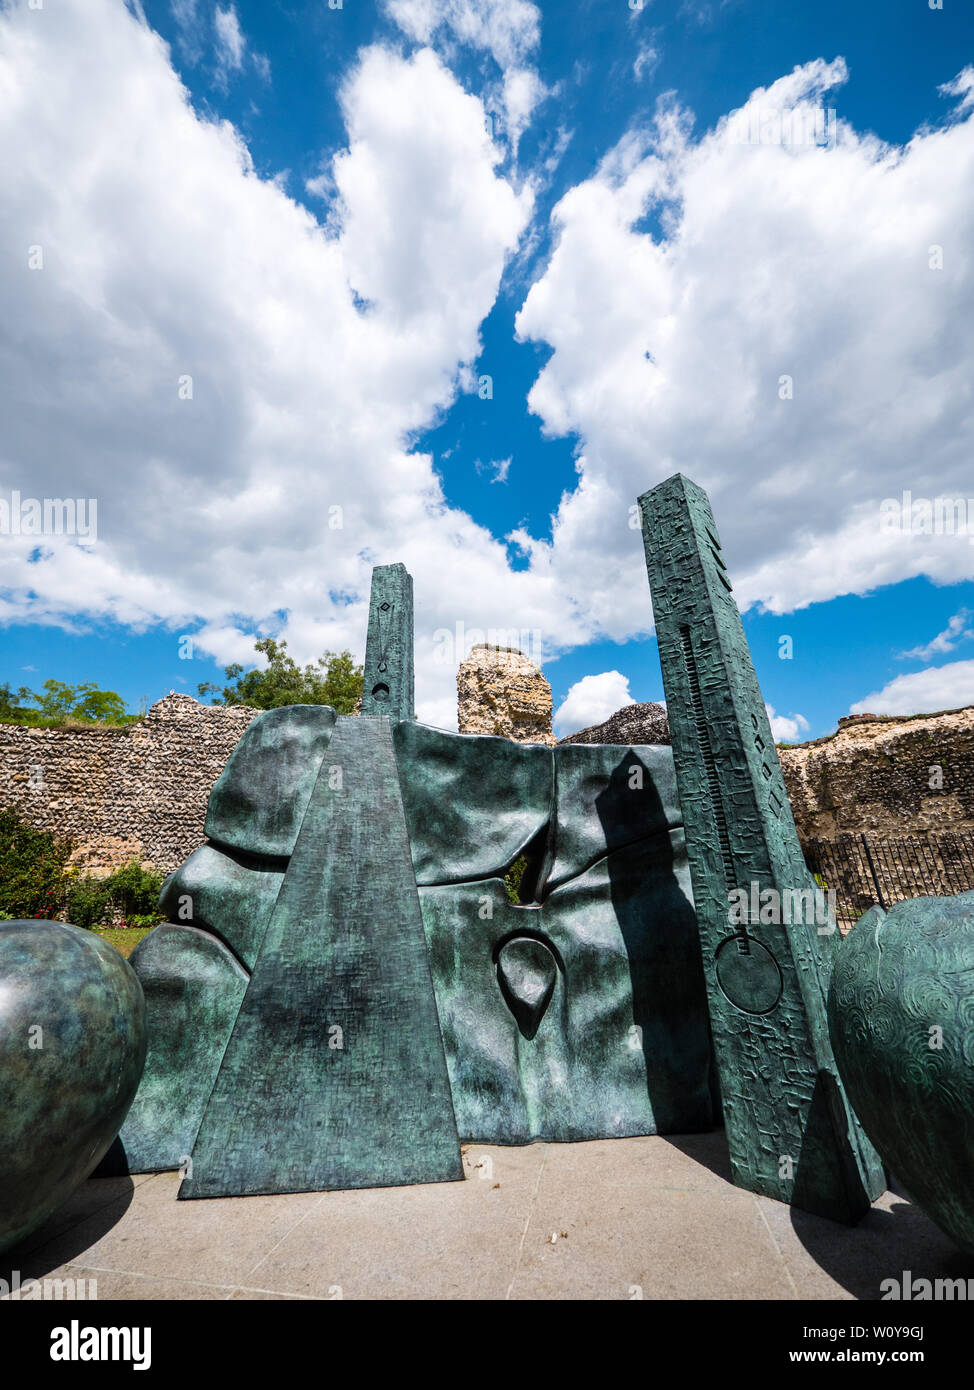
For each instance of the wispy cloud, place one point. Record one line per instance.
(961, 86)
(197, 36)
(231, 46)
(957, 630)
(500, 467)
(647, 61)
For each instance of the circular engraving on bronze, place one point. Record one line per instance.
(750, 979)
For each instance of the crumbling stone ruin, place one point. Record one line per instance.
(636, 724)
(501, 691)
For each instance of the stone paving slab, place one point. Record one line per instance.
(646, 1218)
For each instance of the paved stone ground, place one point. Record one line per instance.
(611, 1219)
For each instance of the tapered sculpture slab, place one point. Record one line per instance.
(791, 1131)
(387, 675)
(335, 1075)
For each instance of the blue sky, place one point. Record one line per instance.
(345, 218)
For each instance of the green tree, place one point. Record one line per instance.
(333, 679)
(102, 705)
(11, 702)
(60, 701)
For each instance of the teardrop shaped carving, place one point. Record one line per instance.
(526, 973)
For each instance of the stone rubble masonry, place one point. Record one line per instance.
(872, 776)
(140, 791)
(634, 724)
(134, 792)
(501, 691)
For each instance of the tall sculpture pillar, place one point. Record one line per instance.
(767, 945)
(388, 680)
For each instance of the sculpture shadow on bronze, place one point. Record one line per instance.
(659, 929)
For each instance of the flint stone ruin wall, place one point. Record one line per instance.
(136, 792)
(635, 724)
(899, 776)
(501, 691)
(903, 775)
(141, 791)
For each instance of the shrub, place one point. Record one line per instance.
(132, 890)
(35, 881)
(144, 921)
(33, 869)
(86, 902)
(135, 890)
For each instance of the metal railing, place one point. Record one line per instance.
(865, 869)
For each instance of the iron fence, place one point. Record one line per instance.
(866, 869)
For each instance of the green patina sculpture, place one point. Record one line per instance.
(334, 1073)
(72, 1044)
(316, 1021)
(296, 1034)
(901, 1016)
(344, 988)
(580, 1013)
(791, 1131)
(387, 676)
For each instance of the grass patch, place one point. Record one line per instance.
(34, 719)
(124, 939)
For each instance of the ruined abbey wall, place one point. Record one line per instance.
(141, 791)
(907, 775)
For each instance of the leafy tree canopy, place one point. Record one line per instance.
(11, 701)
(58, 702)
(333, 679)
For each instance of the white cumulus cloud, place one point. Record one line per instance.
(235, 383)
(509, 30)
(770, 320)
(922, 692)
(786, 728)
(591, 700)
